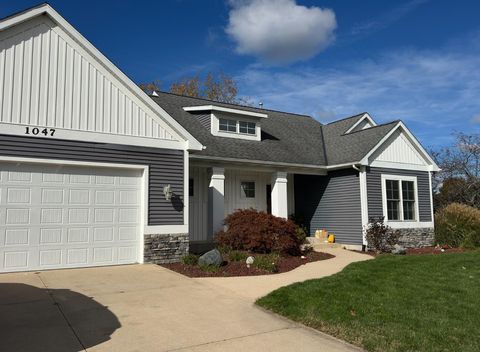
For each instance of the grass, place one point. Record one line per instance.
(392, 303)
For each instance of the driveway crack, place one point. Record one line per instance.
(59, 307)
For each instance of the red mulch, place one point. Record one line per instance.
(240, 268)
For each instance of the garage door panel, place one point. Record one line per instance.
(55, 216)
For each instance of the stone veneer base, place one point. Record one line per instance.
(417, 238)
(162, 249)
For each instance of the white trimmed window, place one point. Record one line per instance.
(400, 198)
(227, 125)
(236, 126)
(247, 189)
(247, 127)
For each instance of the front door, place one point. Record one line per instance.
(269, 199)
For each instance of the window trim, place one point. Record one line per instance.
(400, 178)
(243, 195)
(228, 120)
(247, 122)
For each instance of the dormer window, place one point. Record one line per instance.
(229, 122)
(246, 127)
(227, 125)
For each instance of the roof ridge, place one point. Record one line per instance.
(366, 129)
(233, 104)
(349, 117)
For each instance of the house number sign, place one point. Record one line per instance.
(36, 131)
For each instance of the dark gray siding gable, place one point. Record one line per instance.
(165, 167)
(374, 191)
(331, 202)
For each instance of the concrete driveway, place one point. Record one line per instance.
(139, 308)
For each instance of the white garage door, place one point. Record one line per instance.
(55, 216)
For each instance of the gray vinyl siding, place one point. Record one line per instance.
(331, 202)
(205, 120)
(165, 167)
(374, 191)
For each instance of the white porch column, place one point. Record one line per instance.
(279, 195)
(216, 201)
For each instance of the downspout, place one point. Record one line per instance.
(355, 167)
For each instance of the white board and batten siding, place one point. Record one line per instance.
(398, 152)
(49, 80)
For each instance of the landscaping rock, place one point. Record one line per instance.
(398, 249)
(213, 257)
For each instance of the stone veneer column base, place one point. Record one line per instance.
(417, 238)
(161, 249)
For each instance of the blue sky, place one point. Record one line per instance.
(415, 60)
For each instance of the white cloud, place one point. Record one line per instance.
(280, 31)
(435, 92)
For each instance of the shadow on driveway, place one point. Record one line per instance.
(40, 319)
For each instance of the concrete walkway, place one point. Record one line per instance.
(253, 287)
(143, 308)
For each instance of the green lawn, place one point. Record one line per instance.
(393, 303)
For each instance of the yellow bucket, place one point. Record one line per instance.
(331, 238)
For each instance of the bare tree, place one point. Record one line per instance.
(153, 86)
(220, 87)
(459, 180)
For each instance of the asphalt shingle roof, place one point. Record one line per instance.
(286, 137)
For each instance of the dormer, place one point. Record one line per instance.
(364, 122)
(229, 122)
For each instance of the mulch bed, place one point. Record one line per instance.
(240, 268)
(424, 250)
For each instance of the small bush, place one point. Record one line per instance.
(237, 256)
(267, 262)
(224, 249)
(458, 225)
(260, 232)
(381, 237)
(190, 259)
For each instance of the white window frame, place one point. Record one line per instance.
(384, 198)
(216, 131)
(243, 195)
(247, 122)
(228, 122)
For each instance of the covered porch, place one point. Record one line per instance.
(215, 192)
(321, 201)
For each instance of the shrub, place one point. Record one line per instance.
(259, 232)
(458, 225)
(267, 262)
(237, 256)
(190, 259)
(381, 237)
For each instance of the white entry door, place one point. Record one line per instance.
(61, 216)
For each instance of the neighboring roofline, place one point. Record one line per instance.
(46, 9)
(418, 145)
(239, 105)
(366, 116)
(346, 118)
(223, 109)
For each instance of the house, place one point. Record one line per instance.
(94, 172)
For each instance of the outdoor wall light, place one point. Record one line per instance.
(167, 192)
